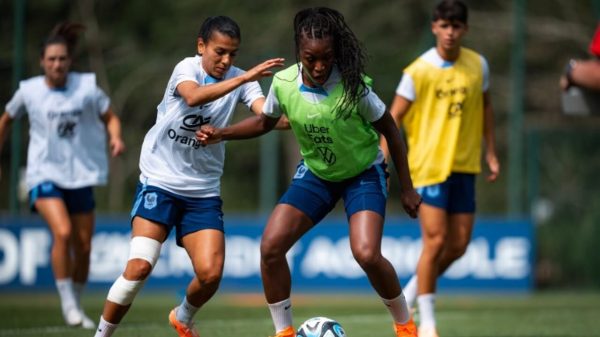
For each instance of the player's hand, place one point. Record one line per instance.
(411, 200)
(493, 166)
(264, 69)
(117, 147)
(208, 134)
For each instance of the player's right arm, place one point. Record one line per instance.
(195, 94)
(398, 110)
(248, 128)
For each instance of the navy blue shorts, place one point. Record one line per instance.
(77, 200)
(317, 197)
(187, 215)
(455, 195)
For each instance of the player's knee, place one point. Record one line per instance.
(209, 274)
(137, 269)
(270, 251)
(435, 243)
(366, 257)
(62, 235)
(456, 251)
(143, 254)
(209, 278)
(82, 249)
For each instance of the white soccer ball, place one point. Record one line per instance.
(320, 327)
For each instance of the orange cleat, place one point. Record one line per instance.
(408, 329)
(183, 330)
(287, 332)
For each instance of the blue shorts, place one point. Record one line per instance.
(77, 200)
(317, 197)
(455, 195)
(187, 215)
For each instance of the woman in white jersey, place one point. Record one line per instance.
(69, 116)
(179, 183)
(336, 118)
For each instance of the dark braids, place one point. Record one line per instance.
(63, 33)
(350, 58)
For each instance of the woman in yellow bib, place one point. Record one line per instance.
(443, 104)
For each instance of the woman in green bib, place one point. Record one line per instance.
(337, 119)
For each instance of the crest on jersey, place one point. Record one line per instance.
(66, 129)
(150, 200)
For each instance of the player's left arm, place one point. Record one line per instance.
(489, 137)
(397, 149)
(113, 127)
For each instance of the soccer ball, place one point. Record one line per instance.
(320, 327)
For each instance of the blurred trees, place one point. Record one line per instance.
(134, 45)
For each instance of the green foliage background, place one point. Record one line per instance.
(134, 45)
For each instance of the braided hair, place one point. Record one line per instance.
(350, 57)
(63, 33)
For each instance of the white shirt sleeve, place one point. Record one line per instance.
(371, 107)
(251, 91)
(16, 106)
(271, 107)
(486, 74)
(406, 88)
(184, 71)
(102, 101)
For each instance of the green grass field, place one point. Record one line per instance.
(228, 315)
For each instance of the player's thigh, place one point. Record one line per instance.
(206, 249)
(285, 226)
(54, 211)
(144, 248)
(366, 230)
(149, 229)
(434, 224)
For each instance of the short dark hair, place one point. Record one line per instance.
(451, 10)
(222, 24)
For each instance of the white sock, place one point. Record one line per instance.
(410, 291)
(426, 310)
(67, 295)
(281, 313)
(77, 290)
(185, 311)
(398, 308)
(105, 329)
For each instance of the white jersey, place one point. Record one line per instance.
(171, 157)
(67, 138)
